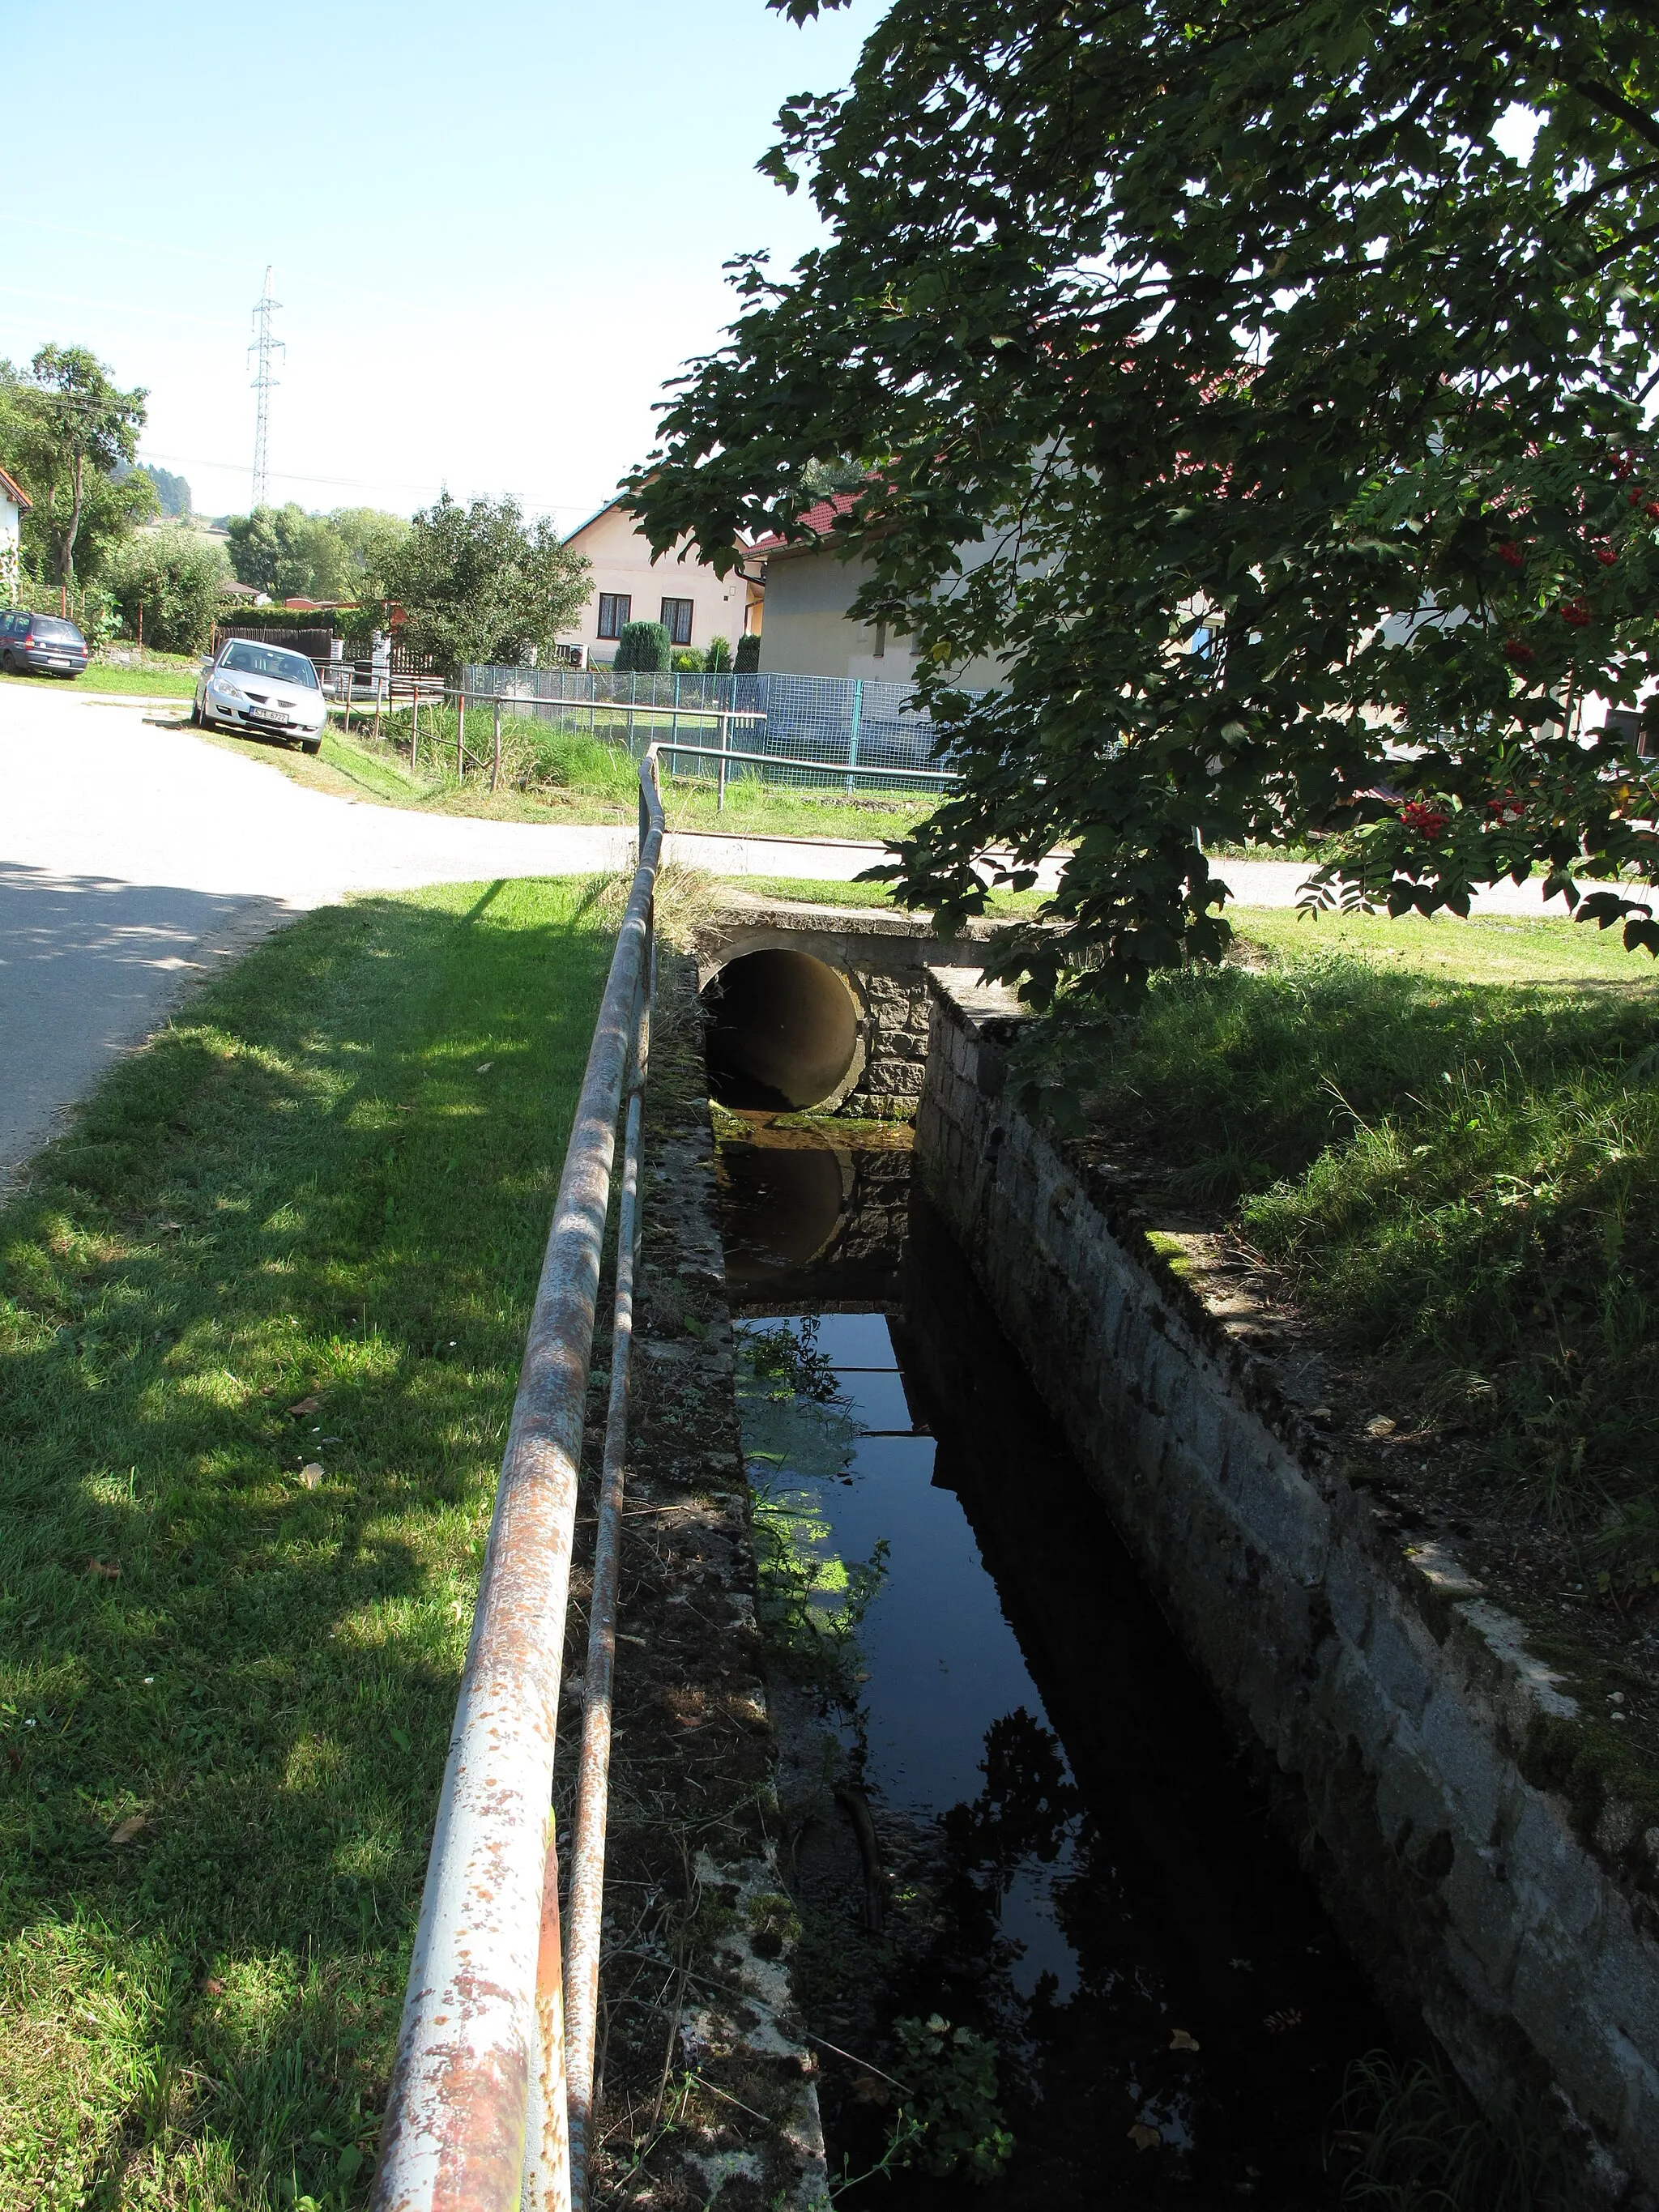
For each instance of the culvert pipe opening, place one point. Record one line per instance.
(783, 1032)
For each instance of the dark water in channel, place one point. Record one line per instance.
(1173, 2013)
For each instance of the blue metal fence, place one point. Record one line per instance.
(813, 725)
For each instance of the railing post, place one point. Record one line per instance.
(460, 713)
(726, 747)
(858, 717)
(495, 749)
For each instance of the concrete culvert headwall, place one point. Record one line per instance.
(783, 1029)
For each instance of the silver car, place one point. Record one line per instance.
(261, 687)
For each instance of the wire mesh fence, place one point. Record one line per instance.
(796, 729)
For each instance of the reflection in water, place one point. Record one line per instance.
(1094, 1883)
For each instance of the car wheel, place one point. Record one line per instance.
(311, 745)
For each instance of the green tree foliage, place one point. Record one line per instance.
(643, 646)
(174, 576)
(295, 556)
(479, 583)
(824, 479)
(748, 659)
(718, 658)
(367, 539)
(1240, 378)
(64, 429)
(288, 553)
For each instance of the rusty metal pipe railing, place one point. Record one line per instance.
(476, 2118)
(586, 1912)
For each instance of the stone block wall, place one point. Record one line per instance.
(1376, 1674)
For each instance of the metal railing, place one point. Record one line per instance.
(724, 754)
(416, 691)
(490, 2104)
(345, 686)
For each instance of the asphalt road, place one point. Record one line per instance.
(134, 858)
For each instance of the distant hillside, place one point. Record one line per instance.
(171, 491)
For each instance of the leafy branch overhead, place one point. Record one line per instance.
(1238, 379)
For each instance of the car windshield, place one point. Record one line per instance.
(59, 633)
(270, 660)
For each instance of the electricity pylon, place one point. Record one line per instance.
(261, 353)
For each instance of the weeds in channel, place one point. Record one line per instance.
(1422, 2146)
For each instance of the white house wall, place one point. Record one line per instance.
(808, 631)
(10, 522)
(622, 562)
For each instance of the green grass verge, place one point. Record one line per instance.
(808, 891)
(172, 678)
(577, 775)
(1446, 1136)
(225, 1693)
(565, 776)
(774, 810)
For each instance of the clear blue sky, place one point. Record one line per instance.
(495, 231)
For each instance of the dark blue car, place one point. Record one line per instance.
(40, 645)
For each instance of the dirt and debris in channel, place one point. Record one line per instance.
(706, 2095)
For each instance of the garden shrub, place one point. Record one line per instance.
(174, 577)
(644, 646)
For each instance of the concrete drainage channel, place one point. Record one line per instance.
(1009, 1853)
(1385, 1708)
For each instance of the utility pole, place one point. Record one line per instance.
(260, 354)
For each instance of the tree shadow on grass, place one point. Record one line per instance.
(301, 1231)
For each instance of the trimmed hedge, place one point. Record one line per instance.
(644, 646)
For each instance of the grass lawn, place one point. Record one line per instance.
(162, 676)
(810, 892)
(559, 776)
(1443, 1139)
(773, 810)
(301, 1230)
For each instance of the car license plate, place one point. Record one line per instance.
(270, 714)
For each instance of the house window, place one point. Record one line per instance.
(676, 621)
(615, 608)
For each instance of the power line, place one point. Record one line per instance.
(264, 346)
(374, 483)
